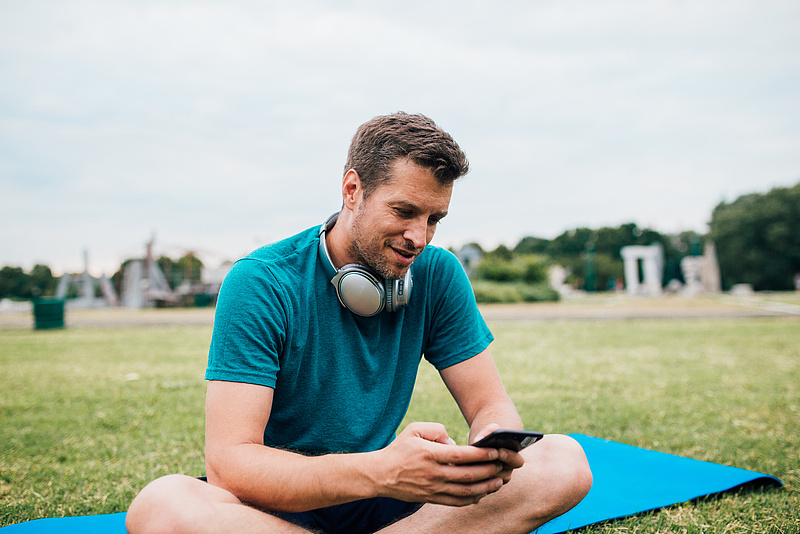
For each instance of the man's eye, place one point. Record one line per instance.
(404, 213)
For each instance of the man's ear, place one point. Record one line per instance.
(352, 191)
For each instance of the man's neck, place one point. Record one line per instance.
(337, 241)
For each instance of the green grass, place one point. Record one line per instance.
(87, 416)
(90, 415)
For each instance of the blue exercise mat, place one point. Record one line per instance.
(627, 480)
(84, 524)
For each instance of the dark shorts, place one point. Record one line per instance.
(358, 517)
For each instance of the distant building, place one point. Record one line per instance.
(470, 256)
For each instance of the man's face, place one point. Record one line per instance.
(397, 220)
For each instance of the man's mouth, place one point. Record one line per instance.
(404, 256)
(406, 253)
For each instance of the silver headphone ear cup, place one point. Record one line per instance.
(390, 286)
(398, 292)
(359, 290)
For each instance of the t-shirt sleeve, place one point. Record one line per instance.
(249, 326)
(457, 331)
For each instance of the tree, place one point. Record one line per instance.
(502, 252)
(13, 282)
(757, 238)
(116, 278)
(607, 269)
(16, 283)
(171, 271)
(570, 244)
(42, 280)
(191, 268)
(531, 245)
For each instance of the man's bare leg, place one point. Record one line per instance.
(177, 503)
(554, 479)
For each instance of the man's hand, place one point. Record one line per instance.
(510, 459)
(425, 465)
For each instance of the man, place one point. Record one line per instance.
(316, 344)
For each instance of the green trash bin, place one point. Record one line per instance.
(48, 313)
(202, 300)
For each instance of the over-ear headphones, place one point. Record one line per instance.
(358, 288)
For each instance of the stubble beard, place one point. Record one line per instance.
(370, 254)
(368, 257)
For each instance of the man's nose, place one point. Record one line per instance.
(417, 233)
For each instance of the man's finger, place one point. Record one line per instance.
(472, 473)
(468, 492)
(512, 459)
(435, 432)
(463, 454)
(488, 429)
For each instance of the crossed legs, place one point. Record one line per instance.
(554, 479)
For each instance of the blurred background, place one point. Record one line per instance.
(182, 135)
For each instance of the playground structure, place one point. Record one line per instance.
(144, 285)
(87, 288)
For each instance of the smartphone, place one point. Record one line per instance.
(514, 440)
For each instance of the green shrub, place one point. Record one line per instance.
(498, 269)
(522, 268)
(487, 292)
(541, 292)
(534, 269)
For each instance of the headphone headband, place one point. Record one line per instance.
(358, 288)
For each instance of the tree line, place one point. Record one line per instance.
(757, 240)
(756, 237)
(16, 283)
(591, 257)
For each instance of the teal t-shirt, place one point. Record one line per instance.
(342, 383)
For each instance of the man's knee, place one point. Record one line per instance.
(574, 465)
(167, 504)
(567, 475)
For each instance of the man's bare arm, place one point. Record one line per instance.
(476, 386)
(420, 465)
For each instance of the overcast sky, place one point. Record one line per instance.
(221, 125)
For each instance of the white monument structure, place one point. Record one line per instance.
(701, 273)
(652, 260)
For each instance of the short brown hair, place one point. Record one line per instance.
(382, 140)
